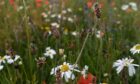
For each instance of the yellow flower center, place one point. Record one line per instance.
(47, 29)
(138, 47)
(126, 63)
(49, 52)
(64, 68)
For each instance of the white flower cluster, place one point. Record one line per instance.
(131, 5)
(7, 59)
(127, 62)
(64, 15)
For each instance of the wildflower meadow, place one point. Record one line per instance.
(69, 41)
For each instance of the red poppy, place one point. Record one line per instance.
(46, 2)
(12, 2)
(90, 79)
(101, 5)
(113, 4)
(89, 4)
(38, 1)
(38, 5)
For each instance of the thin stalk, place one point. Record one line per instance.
(79, 56)
(28, 36)
(11, 78)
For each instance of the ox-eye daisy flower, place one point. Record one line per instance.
(125, 62)
(125, 7)
(135, 49)
(131, 5)
(66, 71)
(50, 52)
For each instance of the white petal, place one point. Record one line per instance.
(135, 65)
(68, 74)
(7, 57)
(16, 57)
(131, 70)
(46, 54)
(66, 78)
(10, 61)
(1, 67)
(51, 56)
(119, 69)
(125, 7)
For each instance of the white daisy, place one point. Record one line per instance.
(125, 7)
(65, 70)
(50, 52)
(54, 24)
(70, 19)
(69, 10)
(75, 33)
(125, 62)
(16, 57)
(135, 49)
(133, 6)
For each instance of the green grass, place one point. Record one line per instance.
(18, 32)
